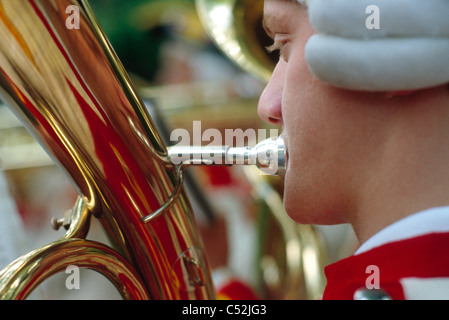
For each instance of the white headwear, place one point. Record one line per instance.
(410, 50)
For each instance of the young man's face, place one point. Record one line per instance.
(326, 130)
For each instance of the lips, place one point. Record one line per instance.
(284, 136)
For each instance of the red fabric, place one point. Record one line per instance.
(236, 290)
(219, 176)
(425, 256)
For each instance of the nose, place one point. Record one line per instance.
(270, 102)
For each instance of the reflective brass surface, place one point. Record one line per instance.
(20, 278)
(69, 89)
(236, 27)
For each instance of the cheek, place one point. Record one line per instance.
(298, 99)
(315, 134)
(312, 189)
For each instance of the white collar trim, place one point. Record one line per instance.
(434, 220)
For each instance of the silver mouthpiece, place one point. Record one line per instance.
(268, 155)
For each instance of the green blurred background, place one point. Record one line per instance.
(138, 29)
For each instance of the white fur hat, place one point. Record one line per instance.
(406, 49)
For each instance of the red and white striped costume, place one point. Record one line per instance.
(411, 256)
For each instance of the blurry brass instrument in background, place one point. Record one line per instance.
(236, 27)
(71, 92)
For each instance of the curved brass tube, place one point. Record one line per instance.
(23, 275)
(76, 221)
(236, 27)
(69, 89)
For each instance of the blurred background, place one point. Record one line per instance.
(182, 77)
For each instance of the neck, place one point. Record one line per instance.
(411, 170)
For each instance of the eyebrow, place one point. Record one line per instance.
(267, 22)
(272, 19)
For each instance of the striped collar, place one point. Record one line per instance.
(434, 220)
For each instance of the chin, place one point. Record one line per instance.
(297, 213)
(304, 207)
(293, 204)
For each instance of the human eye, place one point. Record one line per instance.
(280, 41)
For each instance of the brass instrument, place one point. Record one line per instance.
(236, 27)
(66, 85)
(62, 79)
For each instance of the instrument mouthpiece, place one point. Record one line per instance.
(269, 155)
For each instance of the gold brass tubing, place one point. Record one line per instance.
(23, 275)
(79, 221)
(69, 89)
(170, 201)
(233, 25)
